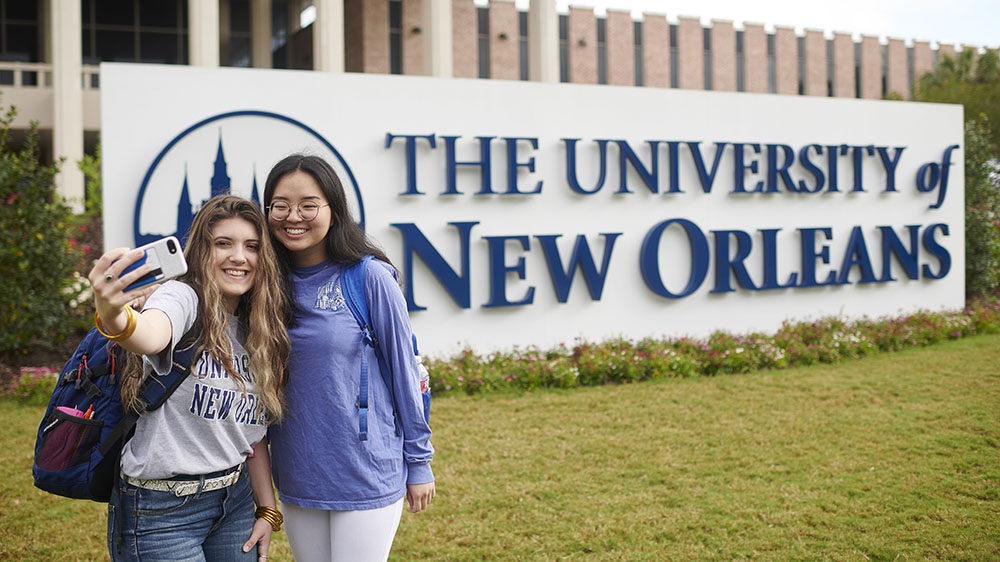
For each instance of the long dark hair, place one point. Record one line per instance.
(346, 243)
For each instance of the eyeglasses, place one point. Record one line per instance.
(307, 210)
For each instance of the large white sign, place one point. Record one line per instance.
(527, 214)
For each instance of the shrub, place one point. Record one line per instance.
(34, 385)
(982, 216)
(826, 340)
(35, 252)
(561, 372)
(88, 235)
(612, 361)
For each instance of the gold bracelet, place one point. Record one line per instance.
(271, 515)
(130, 325)
(275, 524)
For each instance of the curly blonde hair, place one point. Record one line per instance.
(259, 310)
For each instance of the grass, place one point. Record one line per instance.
(892, 457)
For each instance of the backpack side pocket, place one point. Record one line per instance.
(67, 440)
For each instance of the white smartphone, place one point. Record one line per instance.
(165, 257)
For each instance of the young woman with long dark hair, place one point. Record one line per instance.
(342, 496)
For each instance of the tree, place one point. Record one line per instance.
(36, 257)
(974, 82)
(970, 81)
(982, 210)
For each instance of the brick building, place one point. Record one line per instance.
(50, 49)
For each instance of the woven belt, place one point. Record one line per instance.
(182, 488)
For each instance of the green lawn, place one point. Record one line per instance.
(894, 457)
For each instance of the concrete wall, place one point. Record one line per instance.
(656, 51)
(620, 44)
(690, 53)
(582, 46)
(723, 56)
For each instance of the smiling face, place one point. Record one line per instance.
(235, 255)
(306, 240)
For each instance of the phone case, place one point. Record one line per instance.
(167, 263)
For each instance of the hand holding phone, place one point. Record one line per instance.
(121, 276)
(165, 258)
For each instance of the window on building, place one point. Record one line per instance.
(637, 33)
(802, 65)
(134, 31)
(829, 68)
(240, 47)
(772, 77)
(602, 51)
(483, 34)
(675, 75)
(909, 69)
(279, 34)
(395, 36)
(885, 70)
(740, 68)
(857, 70)
(707, 32)
(19, 39)
(563, 48)
(522, 44)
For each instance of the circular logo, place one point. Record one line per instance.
(226, 153)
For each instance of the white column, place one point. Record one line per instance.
(543, 41)
(67, 83)
(203, 32)
(260, 33)
(328, 36)
(437, 34)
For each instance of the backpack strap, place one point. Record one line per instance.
(352, 284)
(156, 389)
(84, 377)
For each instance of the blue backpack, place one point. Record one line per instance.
(352, 283)
(80, 439)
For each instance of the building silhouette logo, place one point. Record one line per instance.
(227, 153)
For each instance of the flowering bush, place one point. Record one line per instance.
(618, 361)
(613, 361)
(80, 301)
(34, 385)
(35, 252)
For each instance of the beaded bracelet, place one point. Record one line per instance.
(132, 320)
(271, 515)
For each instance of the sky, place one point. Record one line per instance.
(960, 22)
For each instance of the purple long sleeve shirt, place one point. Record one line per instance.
(317, 458)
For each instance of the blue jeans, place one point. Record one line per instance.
(153, 526)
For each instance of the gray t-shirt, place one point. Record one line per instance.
(208, 424)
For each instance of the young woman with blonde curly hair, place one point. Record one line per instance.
(189, 475)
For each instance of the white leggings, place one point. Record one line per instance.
(319, 535)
